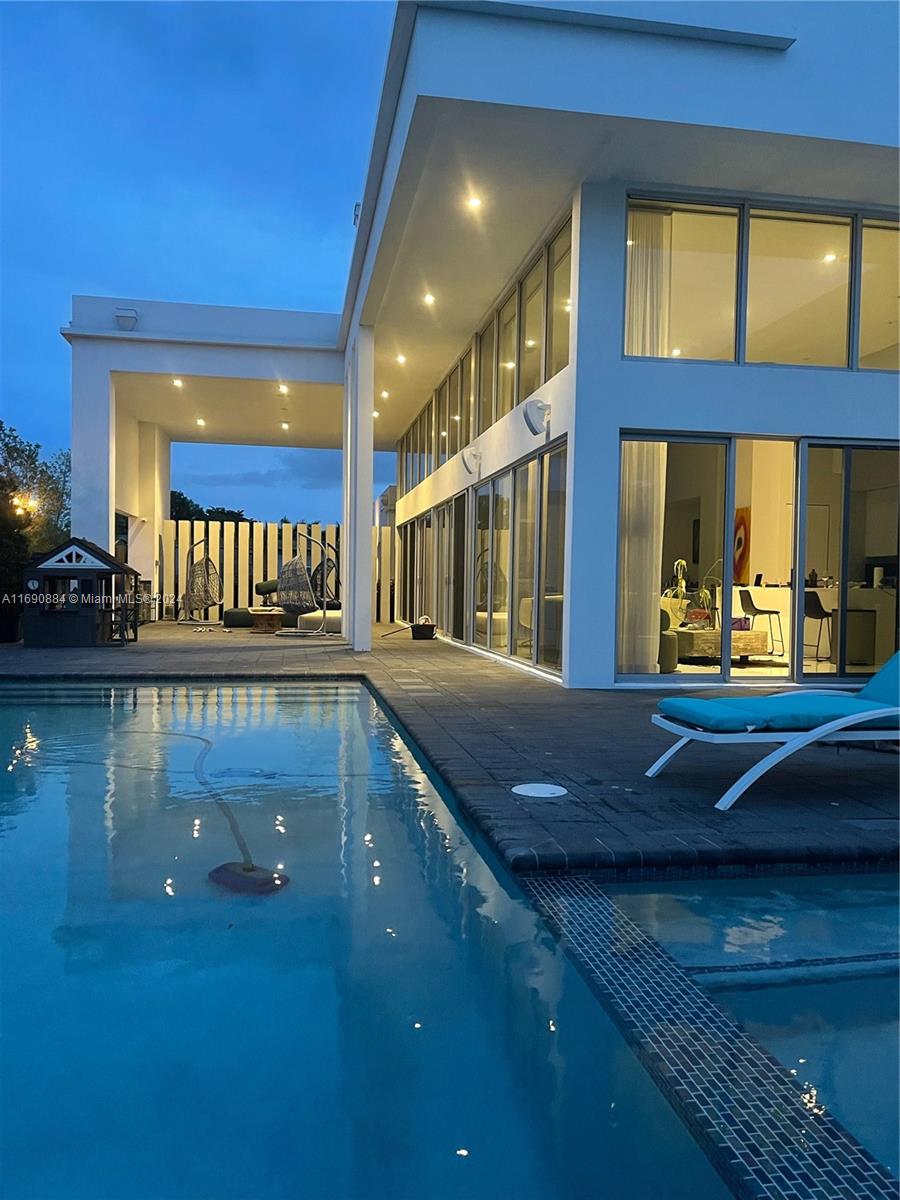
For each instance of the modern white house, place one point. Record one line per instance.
(624, 298)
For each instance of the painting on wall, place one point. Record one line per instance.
(742, 545)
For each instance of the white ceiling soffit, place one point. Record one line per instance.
(525, 164)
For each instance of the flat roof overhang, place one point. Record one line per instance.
(525, 164)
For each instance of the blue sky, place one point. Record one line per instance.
(198, 152)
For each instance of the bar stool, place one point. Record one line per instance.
(750, 610)
(815, 610)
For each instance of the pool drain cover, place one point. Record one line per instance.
(540, 791)
(239, 877)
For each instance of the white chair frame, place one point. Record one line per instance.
(839, 731)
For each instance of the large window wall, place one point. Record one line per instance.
(759, 285)
(523, 343)
(743, 557)
(489, 565)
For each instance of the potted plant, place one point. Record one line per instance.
(676, 594)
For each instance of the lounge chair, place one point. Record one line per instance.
(793, 719)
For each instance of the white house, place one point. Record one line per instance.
(624, 296)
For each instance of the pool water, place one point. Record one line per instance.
(394, 1021)
(808, 965)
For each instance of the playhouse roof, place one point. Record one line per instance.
(78, 554)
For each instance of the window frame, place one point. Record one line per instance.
(744, 203)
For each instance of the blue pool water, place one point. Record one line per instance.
(808, 966)
(394, 1022)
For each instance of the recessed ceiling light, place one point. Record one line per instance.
(283, 388)
(200, 422)
(178, 383)
(401, 359)
(285, 425)
(384, 395)
(676, 353)
(428, 299)
(474, 202)
(375, 412)
(830, 257)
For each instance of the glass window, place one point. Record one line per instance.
(798, 298)
(682, 281)
(878, 314)
(506, 371)
(559, 307)
(442, 422)
(486, 361)
(553, 558)
(453, 414)
(481, 553)
(671, 545)
(401, 466)
(458, 567)
(525, 516)
(428, 435)
(500, 564)
(465, 401)
(531, 339)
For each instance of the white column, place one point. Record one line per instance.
(598, 260)
(356, 535)
(153, 501)
(93, 447)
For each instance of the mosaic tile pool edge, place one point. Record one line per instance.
(767, 1137)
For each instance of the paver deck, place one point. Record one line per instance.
(486, 727)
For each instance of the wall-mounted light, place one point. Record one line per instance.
(126, 318)
(536, 414)
(471, 458)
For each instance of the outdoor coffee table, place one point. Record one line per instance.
(266, 618)
(707, 643)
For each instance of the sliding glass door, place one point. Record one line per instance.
(672, 505)
(850, 554)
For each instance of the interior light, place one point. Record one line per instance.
(428, 299)
(455, 417)
(676, 353)
(178, 383)
(474, 202)
(530, 343)
(285, 425)
(568, 306)
(443, 433)
(401, 359)
(200, 422)
(509, 366)
(384, 395)
(830, 257)
(283, 388)
(630, 242)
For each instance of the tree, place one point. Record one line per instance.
(183, 508)
(38, 490)
(226, 514)
(13, 556)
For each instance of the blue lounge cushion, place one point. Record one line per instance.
(786, 712)
(885, 686)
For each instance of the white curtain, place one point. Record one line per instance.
(641, 515)
(649, 280)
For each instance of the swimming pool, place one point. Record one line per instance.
(393, 1021)
(808, 965)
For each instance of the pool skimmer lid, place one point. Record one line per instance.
(540, 791)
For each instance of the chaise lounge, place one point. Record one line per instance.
(794, 720)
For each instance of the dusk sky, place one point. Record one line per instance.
(196, 152)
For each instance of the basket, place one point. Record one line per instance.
(423, 631)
